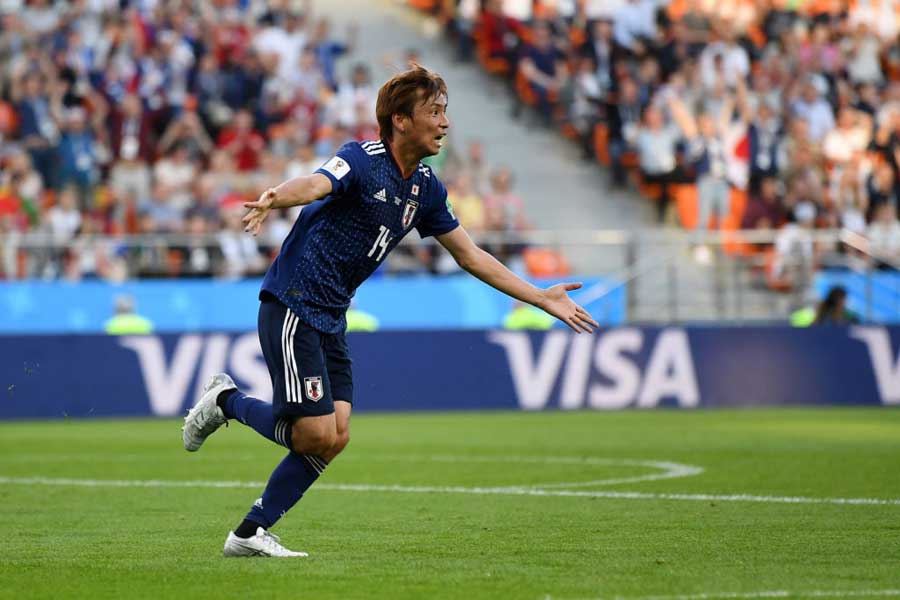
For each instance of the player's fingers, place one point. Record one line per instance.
(572, 324)
(583, 324)
(572, 286)
(586, 324)
(253, 224)
(586, 316)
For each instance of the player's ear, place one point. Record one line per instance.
(401, 122)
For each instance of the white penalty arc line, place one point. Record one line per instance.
(764, 594)
(495, 491)
(669, 470)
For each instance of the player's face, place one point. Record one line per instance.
(430, 124)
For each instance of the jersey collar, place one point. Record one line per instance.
(394, 162)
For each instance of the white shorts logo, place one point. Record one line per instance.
(313, 388)
(337, 166)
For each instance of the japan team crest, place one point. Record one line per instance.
(313, 388)
(409, 211)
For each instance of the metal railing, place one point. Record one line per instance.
(668, 275)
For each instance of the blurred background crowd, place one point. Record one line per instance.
(162, 118)
(737, 113)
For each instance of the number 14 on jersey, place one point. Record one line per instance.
(381, 243)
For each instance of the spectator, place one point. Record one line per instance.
(765, 209)
(242, 142)
(79, 157)
(327, 50)
(765, 140)
(813, 109)
(635, 24)
(304, 162)
(37, 126)
(881, 189)
(794, 247)
(544, 70)
(158, 214)
(833, 309)
(850, 137)
(708, 148)
(657, 146)
(604, 52)
(724, 59)
(849, 199)
(467, 204)
(188, 132)
(125, 321)
(624, 124)
(174, 175)
(587, 105)
(353, 99)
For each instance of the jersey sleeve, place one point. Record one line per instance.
(440, 218)
(345, 169)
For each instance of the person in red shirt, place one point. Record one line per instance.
(242, 141)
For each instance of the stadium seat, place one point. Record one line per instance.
(543, 262)
(685, 197)
(424, 5)
(601, 144)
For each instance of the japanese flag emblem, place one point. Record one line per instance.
(313, 388)
(409, 211)
(415, 189)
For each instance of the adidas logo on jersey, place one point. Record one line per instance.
(381, 195)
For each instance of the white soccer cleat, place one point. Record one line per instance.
(261, 544)
(202, 420)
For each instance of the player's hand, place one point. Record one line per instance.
(556, 302)
(259, 210)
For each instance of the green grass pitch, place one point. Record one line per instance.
(470, 505)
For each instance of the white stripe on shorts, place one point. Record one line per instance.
(291, 379)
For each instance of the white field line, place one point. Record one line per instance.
(765, 594)
(495, 491)
(669, 470)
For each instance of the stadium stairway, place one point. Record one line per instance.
(671, 286)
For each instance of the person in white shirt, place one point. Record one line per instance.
(724, 60)
(812, 108)
(851, 136)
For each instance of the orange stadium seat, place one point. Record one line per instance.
(426, 5)
(543, 262)
(685, 197)
(601, 144)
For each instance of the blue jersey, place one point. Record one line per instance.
(338, 241)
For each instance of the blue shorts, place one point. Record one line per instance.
(309, 369)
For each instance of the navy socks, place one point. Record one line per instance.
(293, 475)
(255, 414)
(287, 484)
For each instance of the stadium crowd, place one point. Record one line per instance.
(160, 119)
(763, 113)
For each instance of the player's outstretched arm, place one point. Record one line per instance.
(293, 192)
(553, 300)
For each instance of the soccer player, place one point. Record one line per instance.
(359, 205)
